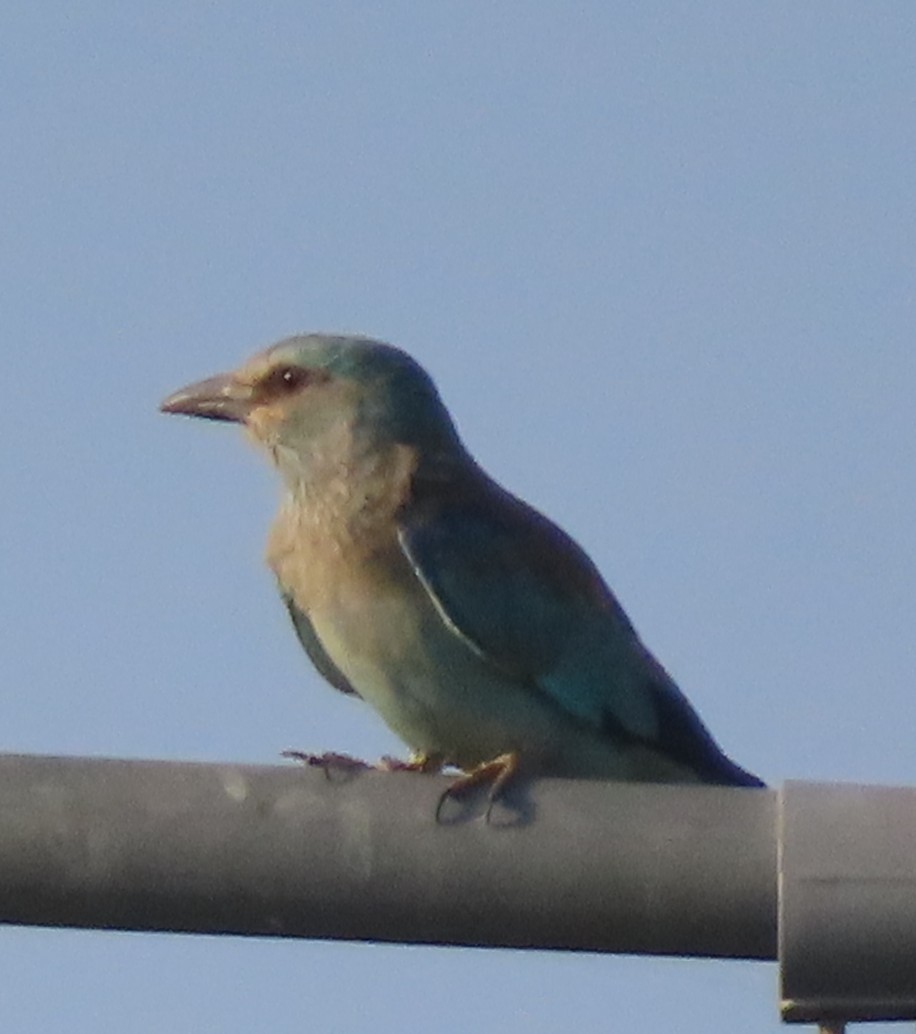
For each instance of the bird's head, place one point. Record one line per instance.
(312, 393)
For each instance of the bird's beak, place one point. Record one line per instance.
(217, 398)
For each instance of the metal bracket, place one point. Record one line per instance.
(847, 903)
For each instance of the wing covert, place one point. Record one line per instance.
(312, 646)
(526, 598)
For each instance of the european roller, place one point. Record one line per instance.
(482, 634)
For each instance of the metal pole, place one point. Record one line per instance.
(287, 851)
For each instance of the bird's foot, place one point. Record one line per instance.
(327, 761)
(425, 763)
(497, 772)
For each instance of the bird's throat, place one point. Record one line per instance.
(343, 510)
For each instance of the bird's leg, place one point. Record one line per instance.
(327, 760)
(498, 772)
(417, 762)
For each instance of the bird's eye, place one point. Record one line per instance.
(286, 379)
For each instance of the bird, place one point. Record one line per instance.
(481, 633)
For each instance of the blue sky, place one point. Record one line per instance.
(659, 258)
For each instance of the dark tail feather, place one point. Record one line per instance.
(727, 773)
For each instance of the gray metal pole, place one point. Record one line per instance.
(847, 922)
(289, 851)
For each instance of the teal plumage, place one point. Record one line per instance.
(480, 632)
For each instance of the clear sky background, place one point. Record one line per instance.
(660, 258)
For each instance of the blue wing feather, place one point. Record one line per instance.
(525, 597)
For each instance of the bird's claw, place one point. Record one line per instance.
(425, 763)
(327, 761)
(497, 772)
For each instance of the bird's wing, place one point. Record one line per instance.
(527, 599)
(312, 646)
